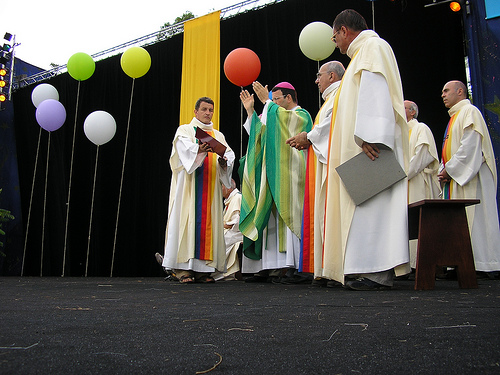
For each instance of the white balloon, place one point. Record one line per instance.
(315, 41)
(43, 92)
(99, 127)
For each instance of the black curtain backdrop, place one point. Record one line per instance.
(427, 43)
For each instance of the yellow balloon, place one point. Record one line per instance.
(135, 62)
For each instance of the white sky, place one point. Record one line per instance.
(52, 32)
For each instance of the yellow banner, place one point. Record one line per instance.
(200, 65)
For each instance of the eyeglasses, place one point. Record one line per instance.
(278, 97)
(321, 73)
(334, 36)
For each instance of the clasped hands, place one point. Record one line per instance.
(443, 176)
(205, 147)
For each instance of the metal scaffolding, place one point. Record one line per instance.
(155, 37)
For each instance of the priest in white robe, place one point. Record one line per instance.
(468, 171)
(316, 143)
(232, 234)
(424, 165)
(367, 242)
(194, 239)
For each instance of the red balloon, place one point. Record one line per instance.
(242, 66)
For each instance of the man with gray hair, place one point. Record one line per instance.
(316, 142)
(424, 164)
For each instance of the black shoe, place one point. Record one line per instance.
(333, 284)
(362, 283)
(256, 279)
(447, 275)
(402, 277)
(296, 279)
(274, 279)
(481, 275)
(319, 282)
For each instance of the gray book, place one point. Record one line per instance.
(364, 178)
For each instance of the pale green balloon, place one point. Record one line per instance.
(315, 41)
(81, 66)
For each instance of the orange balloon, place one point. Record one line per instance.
(242, 66)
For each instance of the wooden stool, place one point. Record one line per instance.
(443, 240)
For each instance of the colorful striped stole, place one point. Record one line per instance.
(446, 154)
(206, 177)
(251, 191)
(332, 126)
(267, 178)
(285, 167)
(306, 259)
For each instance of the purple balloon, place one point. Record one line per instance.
(50, 114)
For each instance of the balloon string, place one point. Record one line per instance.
(373, 15)
(319, 93)
(44, 206)
(123, 171)
(31, 200)
(241, 130)
(70, 180)
(91, 211)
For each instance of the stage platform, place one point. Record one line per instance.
(152, 326)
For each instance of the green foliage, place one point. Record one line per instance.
(5, 216)
(165, 34)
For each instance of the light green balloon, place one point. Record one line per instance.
(315, 41)
(81, 66)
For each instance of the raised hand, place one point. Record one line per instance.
(261, 91)
(248, 102)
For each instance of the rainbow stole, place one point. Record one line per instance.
(446, 154)
(205, 178)
(306, 259)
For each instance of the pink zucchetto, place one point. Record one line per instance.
(284, 85)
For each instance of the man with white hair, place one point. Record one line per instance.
(424, 164)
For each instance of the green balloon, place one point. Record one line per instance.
(81, 66)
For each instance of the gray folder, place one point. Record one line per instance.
(364, 178)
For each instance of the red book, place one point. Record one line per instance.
(204, 137)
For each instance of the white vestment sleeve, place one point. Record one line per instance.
(188, 154)
(419, 161)
(319, 136)
(465, 163)
(225, 175)
(248, 123)
(375, 120)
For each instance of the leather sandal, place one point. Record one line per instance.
(186, 279)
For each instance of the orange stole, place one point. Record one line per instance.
(306, 259)
(206, 176)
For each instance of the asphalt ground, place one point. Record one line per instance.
(152, 326)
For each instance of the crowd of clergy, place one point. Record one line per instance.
(294, 220)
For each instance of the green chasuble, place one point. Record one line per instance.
(273, 176)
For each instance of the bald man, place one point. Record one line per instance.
(468, 171)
